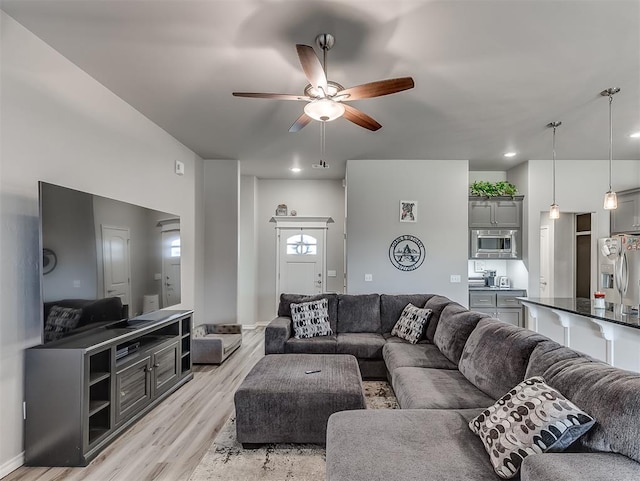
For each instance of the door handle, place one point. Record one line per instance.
(543, 283)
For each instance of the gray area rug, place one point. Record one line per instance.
(227, 461)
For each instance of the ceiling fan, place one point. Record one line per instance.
(325, 98)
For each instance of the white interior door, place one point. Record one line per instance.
(116, 266)
(171, 255)
(301, 261)
(546, 268)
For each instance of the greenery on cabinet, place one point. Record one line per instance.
(483, 188)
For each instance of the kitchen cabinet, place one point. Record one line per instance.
(626, 218)
(495, 213)
(501, 304)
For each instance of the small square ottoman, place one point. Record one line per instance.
(278, 402)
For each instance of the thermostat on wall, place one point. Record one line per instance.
(179, 167)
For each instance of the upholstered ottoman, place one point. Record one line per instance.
(288, 398)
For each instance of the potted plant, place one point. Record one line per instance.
(483, 188)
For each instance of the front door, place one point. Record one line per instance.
(115, 258)
(301, 261)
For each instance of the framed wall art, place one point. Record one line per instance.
(408, 211)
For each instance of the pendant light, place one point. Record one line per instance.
(554, 210)
(610, 198)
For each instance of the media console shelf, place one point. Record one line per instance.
(81, 392)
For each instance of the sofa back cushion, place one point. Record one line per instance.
(391, 307)
(359, 313)
(546, 354)
(284, 308)
(437, 305)
(496, 356)
(454, 327)
(610, 395)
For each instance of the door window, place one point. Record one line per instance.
(302, 245)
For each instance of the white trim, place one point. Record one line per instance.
(11, 465)
(262, 323)
(293, 222)
(248, 327)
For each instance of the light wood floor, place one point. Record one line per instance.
(168, 443)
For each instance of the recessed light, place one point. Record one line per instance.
(510, 154)
(295, 169)
(635, 135)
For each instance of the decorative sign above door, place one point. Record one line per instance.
(407, 253)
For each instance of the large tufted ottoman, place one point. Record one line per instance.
(279, 403)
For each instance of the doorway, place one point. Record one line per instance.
(557, 255)
(116, 263)
(301, 261)
(171, 255)
(583, 255)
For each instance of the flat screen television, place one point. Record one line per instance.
(103, 260)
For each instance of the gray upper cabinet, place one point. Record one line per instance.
(626, 218)
(495, 213)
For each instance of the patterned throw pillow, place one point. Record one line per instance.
(532, 418)
(311, 319)
(60, 321)
(412, 323)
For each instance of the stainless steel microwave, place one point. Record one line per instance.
(494, 244)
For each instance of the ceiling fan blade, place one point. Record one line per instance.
(258, 95)
(360, 118)
(377, 89)
(312, 67)
(300, 122)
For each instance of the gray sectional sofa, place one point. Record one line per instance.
(465, 362)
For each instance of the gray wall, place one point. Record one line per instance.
(248, 258)
(374, 190)
(221, 204)
(61, 126)
(308, 198)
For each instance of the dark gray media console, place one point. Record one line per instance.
(83, 391)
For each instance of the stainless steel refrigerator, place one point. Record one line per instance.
(619, 270)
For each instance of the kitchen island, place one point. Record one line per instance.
(605, 334)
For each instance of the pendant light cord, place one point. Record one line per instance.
(610, 139)
(554, 164)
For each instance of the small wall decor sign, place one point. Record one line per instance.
(408, 211)
(407, 253)
(281, 209)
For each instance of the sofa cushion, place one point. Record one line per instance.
(396, 340)
(416, 445)
(437, 305)
(310, 319)
(455, 325)
(425, 388)
(391, 307)
(496, 356)
(578, 467)
(414, 355)
(359, 313)
(546, 354)
(411, 324)
(610, 395)
(313, 345)
(363, 345)
(284, 308)
(532, 418)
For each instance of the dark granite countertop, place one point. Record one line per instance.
(484, 288)
(584, 307)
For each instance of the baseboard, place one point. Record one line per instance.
(11, 465)
(248, 327)
(262, 324)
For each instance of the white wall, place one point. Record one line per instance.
(308, 198)
(61, 126)
(248, 258)
(374, 190)
(221, 204)
(488, 175)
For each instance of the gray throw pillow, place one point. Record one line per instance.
(60, 321)
(411, 324)
(532, 418)
(311, 319)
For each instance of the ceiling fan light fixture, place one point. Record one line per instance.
(324, 110)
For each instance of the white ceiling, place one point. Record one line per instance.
(489, 74)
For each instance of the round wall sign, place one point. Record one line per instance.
(407, 253)
(49, 260)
